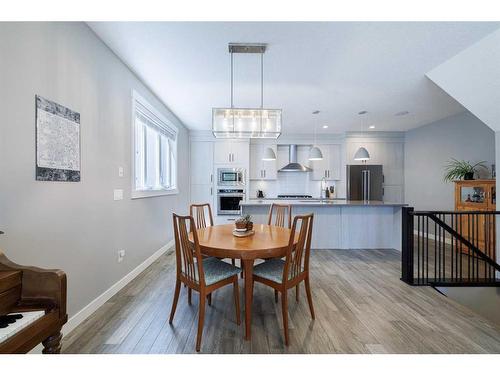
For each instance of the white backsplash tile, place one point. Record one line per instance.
(287, 183)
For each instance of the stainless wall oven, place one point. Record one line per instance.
(231, 176)
(228, 201)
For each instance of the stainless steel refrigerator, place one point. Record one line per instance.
(365, 182)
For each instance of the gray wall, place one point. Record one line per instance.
(427, 150)
(76, 226)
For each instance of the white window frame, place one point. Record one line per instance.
(145, 193)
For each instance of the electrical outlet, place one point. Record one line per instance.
(121, 255)
(120, 171)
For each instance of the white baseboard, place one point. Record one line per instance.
(88, 310)
(431, 236)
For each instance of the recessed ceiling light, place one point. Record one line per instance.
(402, 113)
(372, 126)
(325, 126)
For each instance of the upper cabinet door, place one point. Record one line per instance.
(255, 162)
(329, 167)
(231, 152)
(320, 167)
(262, 169)
(222, 152)
(334, 162)
(240, 152)
(201, 162)
(270, 166)
(392, 158)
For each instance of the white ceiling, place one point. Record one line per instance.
(339, 68)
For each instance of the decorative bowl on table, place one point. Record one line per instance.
(243, 227)
(240, 226)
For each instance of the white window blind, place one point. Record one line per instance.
(155, 149)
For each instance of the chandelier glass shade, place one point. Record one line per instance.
(246, 123)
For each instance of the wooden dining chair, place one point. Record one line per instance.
(199, 212)
(282, 275)
(282, 210)
(203, 275)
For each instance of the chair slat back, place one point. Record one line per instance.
(199, 212)
(297, 257)
(281, 213)
(188, 256)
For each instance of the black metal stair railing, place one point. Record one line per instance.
(445, 248)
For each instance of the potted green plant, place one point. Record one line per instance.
(461, 170)
(244, 223)
(249, 222)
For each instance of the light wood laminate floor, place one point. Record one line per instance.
(361, 307)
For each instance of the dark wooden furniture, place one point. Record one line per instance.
(268, 242)
(282, 211)
(23, 289)
(477, 195)
(201, 274)
(197, 211)
(282, 275)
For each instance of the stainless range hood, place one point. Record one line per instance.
(292, 165)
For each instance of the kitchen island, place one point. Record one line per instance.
(341, 224)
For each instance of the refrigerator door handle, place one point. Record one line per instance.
(363, 183)
(368, 185)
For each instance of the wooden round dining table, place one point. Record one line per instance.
(268, 242)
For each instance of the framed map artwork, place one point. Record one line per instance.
(57, 142)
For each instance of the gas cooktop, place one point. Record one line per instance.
(294, 196)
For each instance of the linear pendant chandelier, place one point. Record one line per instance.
(247, 122)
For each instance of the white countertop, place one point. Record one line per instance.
(318, 202)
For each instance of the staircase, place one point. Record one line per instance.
(449, 248)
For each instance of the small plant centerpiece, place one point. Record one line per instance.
(244, 223)
(461, 170)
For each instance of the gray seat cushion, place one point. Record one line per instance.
(216, 270)
(271, 269)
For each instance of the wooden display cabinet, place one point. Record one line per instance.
(477, 195)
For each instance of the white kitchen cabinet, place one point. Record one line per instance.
(329, 167)
(392, 158)
(201, 166)
(203, 193)
(231, 152)
(202, 169)
(262, 169)
(222, 153)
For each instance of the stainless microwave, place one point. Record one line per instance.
(231, 176)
